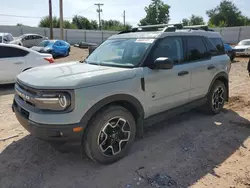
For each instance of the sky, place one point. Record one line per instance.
(112, 9)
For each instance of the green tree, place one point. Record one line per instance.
(185, 22)
(226, 14)
(156, 13)
(82, 22)
(114, 25)
(45, 22)
(193, 20)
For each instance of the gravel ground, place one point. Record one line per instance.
(191, 150)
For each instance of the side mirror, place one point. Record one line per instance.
(163, 63)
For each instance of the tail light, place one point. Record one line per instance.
(49, 59)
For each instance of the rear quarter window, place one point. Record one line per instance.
(218, 44)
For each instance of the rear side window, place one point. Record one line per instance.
(8, 52)
(211, 47)
(196, 49)
(219, 44)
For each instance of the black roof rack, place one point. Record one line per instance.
(198, 27)
(158, 27)
(166, 28)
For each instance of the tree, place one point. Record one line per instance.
(193, 20)
(185, 22)
(45, 22)
(114, 25)
(226, 14)
(156, 13)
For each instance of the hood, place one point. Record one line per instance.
(242, 47)
(73, 75)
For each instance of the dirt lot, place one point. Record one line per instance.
(192, 150)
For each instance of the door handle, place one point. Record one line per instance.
(182, 73)
(210, 67)
(18, 63)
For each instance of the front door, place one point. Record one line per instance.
(166, 89)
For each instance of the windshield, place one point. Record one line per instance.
(120, 52)
(244, 43)
(45, 43)
(1, 39)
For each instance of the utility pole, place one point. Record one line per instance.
(50, 20)
(124, 18)
(99, 10)
(61, 18)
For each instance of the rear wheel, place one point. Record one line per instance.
(216, 98)
(110, 135)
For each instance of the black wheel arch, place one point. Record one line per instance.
(223, 77)
(127, 101)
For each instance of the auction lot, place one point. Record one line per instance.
(191, 150)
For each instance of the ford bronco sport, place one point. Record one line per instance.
(146, 74)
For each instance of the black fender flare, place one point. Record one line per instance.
(219, 76)
(112, 99)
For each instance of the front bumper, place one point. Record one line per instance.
(46, 132)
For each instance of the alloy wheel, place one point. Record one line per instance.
(114, 136)
(218, 98)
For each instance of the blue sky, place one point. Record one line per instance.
(111, 9)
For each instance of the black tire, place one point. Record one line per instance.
(214, 95)
(94, 138)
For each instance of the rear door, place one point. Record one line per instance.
(202, 63)
(12, 62)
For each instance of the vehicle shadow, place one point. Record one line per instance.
(185, 148)
(7, 89)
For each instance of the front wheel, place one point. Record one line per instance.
(216, 98)
(110, 135)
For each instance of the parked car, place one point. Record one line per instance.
(28, 40)
(131, 78)
(54, 47)
(242, 48)
(6, 38)
(16, 59)
(229, 51)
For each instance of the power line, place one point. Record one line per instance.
(10, 15)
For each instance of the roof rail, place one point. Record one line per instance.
(158, 27)
(166, 28)
(198, 27)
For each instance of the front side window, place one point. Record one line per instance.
(1, 39)
(120, 52)
(219, 44)
(10, 52)
(170, 47)
(196, 49)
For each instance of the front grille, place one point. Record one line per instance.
(27, 89)
(26, 94)
(239, 50)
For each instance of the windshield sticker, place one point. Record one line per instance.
(145, 40)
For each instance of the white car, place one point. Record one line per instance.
(16, 59)
(28, 40)
(243, 48)
(6, 38)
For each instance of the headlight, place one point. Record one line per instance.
(54, 101)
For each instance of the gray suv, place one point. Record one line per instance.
(134, 78)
